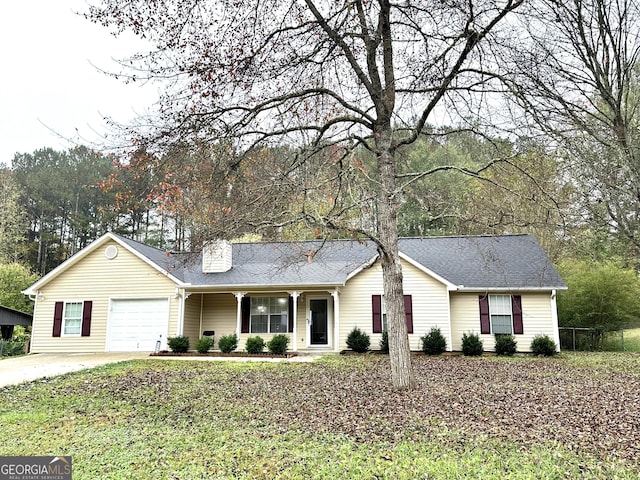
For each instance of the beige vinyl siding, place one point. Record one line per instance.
(429, 299)
(220, 313)
(191, 325)
(536, 319)
(98, 279)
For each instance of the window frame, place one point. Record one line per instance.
(383, 313)
(65, 318)
(279, 301)
(379, 313)
(507, 300)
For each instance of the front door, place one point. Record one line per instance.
(319, 324)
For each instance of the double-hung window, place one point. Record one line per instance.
(383, 313)
(72, 318)
(501, 314)
(269, 314)
(379, 313)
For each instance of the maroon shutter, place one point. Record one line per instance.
(290, 314)
(485, 323)
(516, 309)
(376, 309)
(86, 318)
(57, 319)
(408, 313)
(245, 307)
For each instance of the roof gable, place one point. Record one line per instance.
(485, 262)
(155, 258)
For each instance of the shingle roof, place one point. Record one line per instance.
(10, 316)
(469, 262)
(485, 262)
(283, 263)
(163, 259)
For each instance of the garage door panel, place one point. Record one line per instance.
(136, 325)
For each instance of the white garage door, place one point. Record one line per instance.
(136, 325)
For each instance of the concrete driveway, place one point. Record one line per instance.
(39, 365)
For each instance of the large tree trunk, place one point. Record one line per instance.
(402, 375)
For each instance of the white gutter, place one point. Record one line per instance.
(462, 288)
(231, 288)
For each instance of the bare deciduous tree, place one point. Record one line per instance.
(577, 83)
(359, 73)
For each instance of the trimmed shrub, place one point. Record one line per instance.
(505, 345)
(384, 342)
(358, 341)
(10, 348)
(543, 345)
(178, 344)
(204, 344)
(278, 344)
(228, 343)
(433, 343)
(255, 345)
(472, 345)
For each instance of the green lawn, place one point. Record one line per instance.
(574, 416)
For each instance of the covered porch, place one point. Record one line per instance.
(9, 318)
(310, 317)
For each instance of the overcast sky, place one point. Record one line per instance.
(48, 81)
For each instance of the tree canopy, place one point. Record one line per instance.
(13, 279)
(601, 295)
(576, 81)
(13, 220)
(317, 75)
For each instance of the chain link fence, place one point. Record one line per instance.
(594, 339)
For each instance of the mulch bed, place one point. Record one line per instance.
(165, 353)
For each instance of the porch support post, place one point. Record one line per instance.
(294, 295)
(336, 320)
(239, 297)
(178, 298)
(554, 321)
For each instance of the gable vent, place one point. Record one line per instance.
(216, 257)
